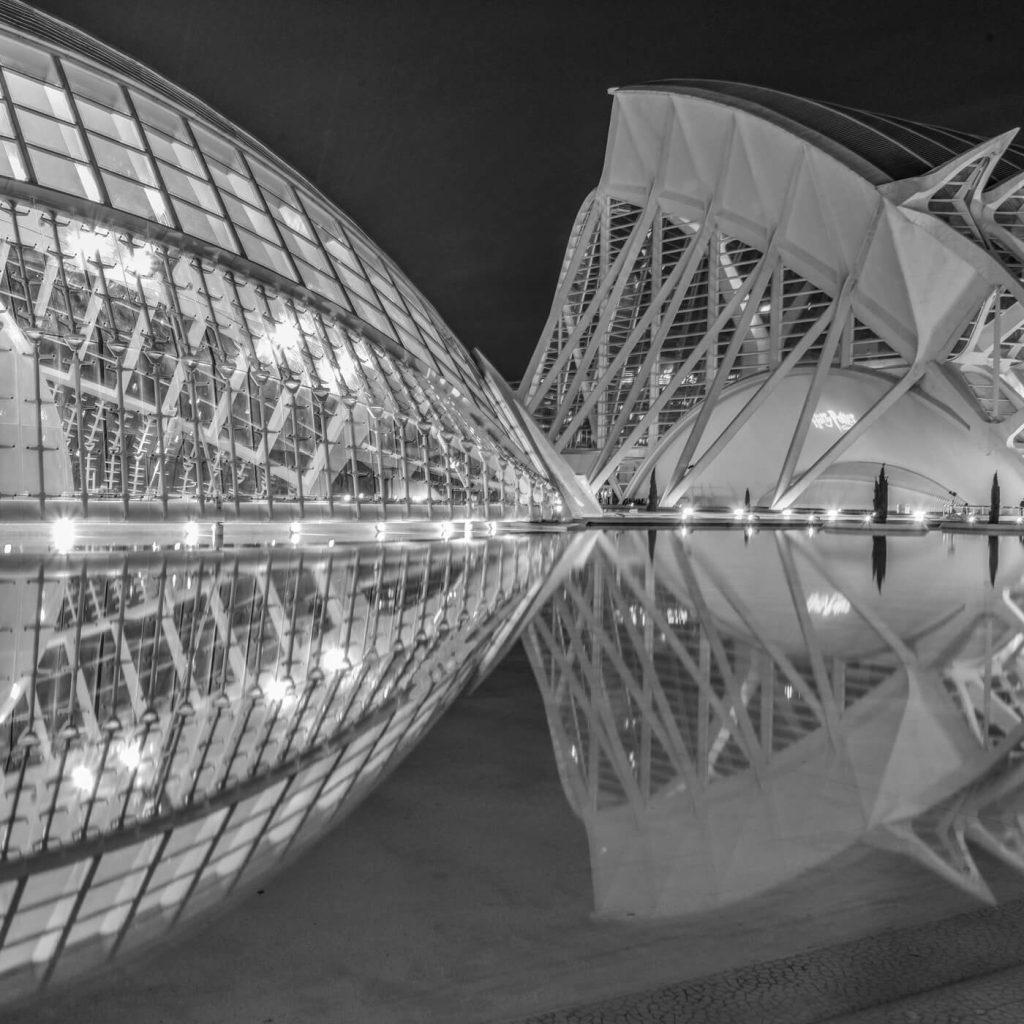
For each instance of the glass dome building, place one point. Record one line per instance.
(190, 328)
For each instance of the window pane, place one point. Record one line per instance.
(177, 154)
(64, 175)
(134, 198)
(11, 164)
(38, 96)
(128, 162)
(187, 187)
(30, 59)
(234, 183)
(266, 254)
(246, 217)
(158, 116)
(270, 180)
(219, 149)
(114, 126)
(95, 87)
(195, 222)
(6, 128)
(42, 131)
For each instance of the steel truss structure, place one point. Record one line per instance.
(189, 327)
(177, 722)
(771, 294)
(715, 746)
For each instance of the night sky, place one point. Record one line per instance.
(463, 135)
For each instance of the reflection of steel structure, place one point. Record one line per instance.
(189, 323)
(176, 722)
(770, 293)
(726, 718)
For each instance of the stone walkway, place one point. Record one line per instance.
(963, 968)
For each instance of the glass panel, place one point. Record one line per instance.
(30, 59)
(176, 154)
(245, 216)
(115, 126)
(186, 187)
(156, 115)
(95, 87)
(235, 183)
(266, 254)
(43, 131)
(33, 94)
(64, 175)
(219, 149)
(11, 164)
(203, 225)
(134, 198)
(128, 162)
(6, 128)
(270, 180)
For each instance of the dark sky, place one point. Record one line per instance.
(464, 134)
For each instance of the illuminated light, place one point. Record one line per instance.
(330, 543)
(867, 518)
(346, 497)
(334, 659)
(63, 535)
(919, 515)
(810, 518)
(833, 514)
(738, 513)
(446, 531)
(139, 261)
(787, 513)
(492, 529)
(83, 778)
(7, 547)
(1020, 519)
(827, 605)
(684, 532)
(749, 532)
(687, 511)
(972, 519)
(130, 756)
(789, 691)
(15, 691)
(810, 531)
(277, 690)
(765, 307)
(295, 532)
(750, 517)
(285, 336)
(90, 243)
(467, 529)
(829, 419)
(191, 535)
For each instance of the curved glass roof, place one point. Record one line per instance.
(878, 146)
(79, 119)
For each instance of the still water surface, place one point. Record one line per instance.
(729, 715)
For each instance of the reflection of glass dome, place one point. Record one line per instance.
(726, 717)
(186, 720)
(188, 321)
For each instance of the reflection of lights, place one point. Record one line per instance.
(919, 515)
(139, 261)
(748, 532)
(687, 511)
(130, 756)
(737, 513)
(346, 497)
(810, 531)
(278, 690)
(446, 531)
(63, 535)
(191, 534)
(334, 659)
(972, 519)
(285, 336)
(295, 532)
(827, 605)
(787, 513)
(684, 532)
(90, 243)
(789, 691)
(83, 778)
(833, 514)
(867, 518)
(7, 547)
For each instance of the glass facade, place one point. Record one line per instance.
(210, 333)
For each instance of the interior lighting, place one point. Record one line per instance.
(191, 535)
(333, 659)
(130, 756)
(63, 535)
(83, 778)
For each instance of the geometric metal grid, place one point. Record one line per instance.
(205, 329)
(177, 721)
(721, 256)
(666, 686)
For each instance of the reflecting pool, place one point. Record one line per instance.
(758, 742)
